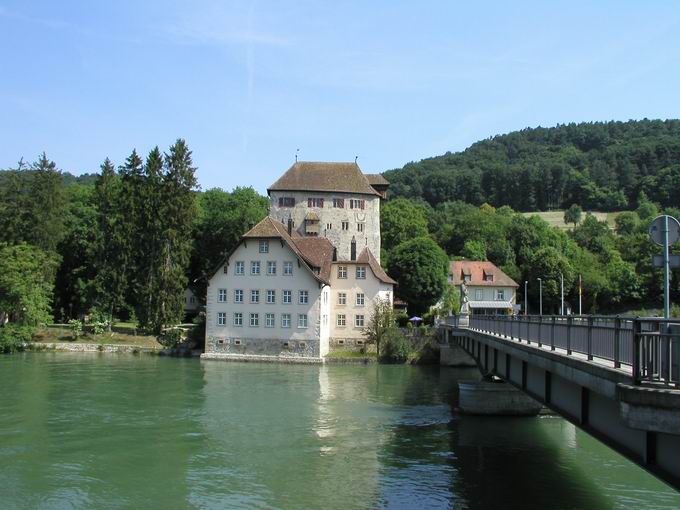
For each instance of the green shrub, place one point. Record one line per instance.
(395, 348)
(76, 328)
(170, 337)
(13, 338)
(402, 319)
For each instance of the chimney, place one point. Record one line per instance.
(290, 226)
(353, 249)
(335, 254)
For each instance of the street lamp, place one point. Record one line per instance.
(526, 307)
(540, 296)
(562, 294)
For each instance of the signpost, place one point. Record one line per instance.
(665, 231)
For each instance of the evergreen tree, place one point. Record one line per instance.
(45, 205)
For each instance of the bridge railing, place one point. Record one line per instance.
(650, 345)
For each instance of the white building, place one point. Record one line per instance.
(490, 290)
(304, 278)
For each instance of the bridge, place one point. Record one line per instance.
(617, 378)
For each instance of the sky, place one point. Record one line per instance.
(248, 83)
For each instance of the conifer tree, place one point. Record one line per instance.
(45, 205)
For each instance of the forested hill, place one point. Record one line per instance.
(600, 166)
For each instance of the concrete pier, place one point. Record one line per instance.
(495, 398)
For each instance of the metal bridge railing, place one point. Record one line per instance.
(651, 346)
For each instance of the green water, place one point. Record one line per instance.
(93, 431)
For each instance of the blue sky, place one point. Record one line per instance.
(247, 83)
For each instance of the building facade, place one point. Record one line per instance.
(292, 289)
(490, 290)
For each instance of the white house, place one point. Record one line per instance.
(293, 289)
(490, 290)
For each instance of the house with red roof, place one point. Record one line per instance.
(490, 290)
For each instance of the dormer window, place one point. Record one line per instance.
(488, 277)
(466, 277)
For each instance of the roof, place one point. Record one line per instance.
(477, 269)
(490, 304)
(366, 257)
(316, 252)
(377, 180)
(320, 176)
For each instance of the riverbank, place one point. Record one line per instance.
(109, 341)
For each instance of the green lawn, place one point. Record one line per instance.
(54, 334)
(556, 218)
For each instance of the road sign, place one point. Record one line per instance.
(674, 260)
(656, 230)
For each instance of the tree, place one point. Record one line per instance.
(421, 268)
(474, 250)
(45, 205)
(401, 220)
(573, 214)
(381, 324)
(548, 264)
(26, 284)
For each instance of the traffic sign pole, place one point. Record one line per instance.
(666, 271)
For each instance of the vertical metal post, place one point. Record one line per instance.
(666, 271)
(540, 326)
(590, 338)
(552, 334)
(617, 342)
(637, 328)
(540, 297)
(569, 319)
(562, 294)
(528, 330)
(526, 300)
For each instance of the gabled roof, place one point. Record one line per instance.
(316, 253)
(377, 180)
(320, 176)
(366, 257)
(477, 269)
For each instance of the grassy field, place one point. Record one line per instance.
(556, 218)
(51, 334)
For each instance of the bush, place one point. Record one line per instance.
(100, 321)
(170, 337)
(76, 328)
(396, 348)
(13, 338)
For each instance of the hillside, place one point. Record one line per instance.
(601, 166)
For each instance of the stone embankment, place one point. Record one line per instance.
(85, 347)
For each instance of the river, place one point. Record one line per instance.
(103, 431)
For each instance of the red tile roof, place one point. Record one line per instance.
(477, 270)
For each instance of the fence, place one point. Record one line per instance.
(651, 346)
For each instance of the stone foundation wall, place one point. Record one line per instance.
(263, 347)
(349, 344)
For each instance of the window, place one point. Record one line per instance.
(315, 202)
(287, 268)
(221, 318)
(238, 319)
(467, 277)
(361, 272)
(325, 297)
(238, 296)
(271, 267)
(222, 295)
(479, 294)
(339, 203)
(500, 295)
(285, 320)
(356, 203)
(255, 267)
(302, 320)
(254, 320)
(192, 299)
(271, 297)
(342, 298)
(360, 227)
(264, 246)
(488, 277)
(359, 321)
(269, 320)
(286, 202)
(254, 296)
(345, 225)
(341, 320)
(329, 226)
(342, 272)
(304, 297)
(287, 297)
(360, 299)
(226, 269)
(240, 267)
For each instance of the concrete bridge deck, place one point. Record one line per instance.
(615, 378)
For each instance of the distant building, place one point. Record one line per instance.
(191, 303)
(304, 279)
(490, 290)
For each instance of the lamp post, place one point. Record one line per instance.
(540, 296)
(526, 308)
(562, 294)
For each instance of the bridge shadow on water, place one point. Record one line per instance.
(490, 462)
